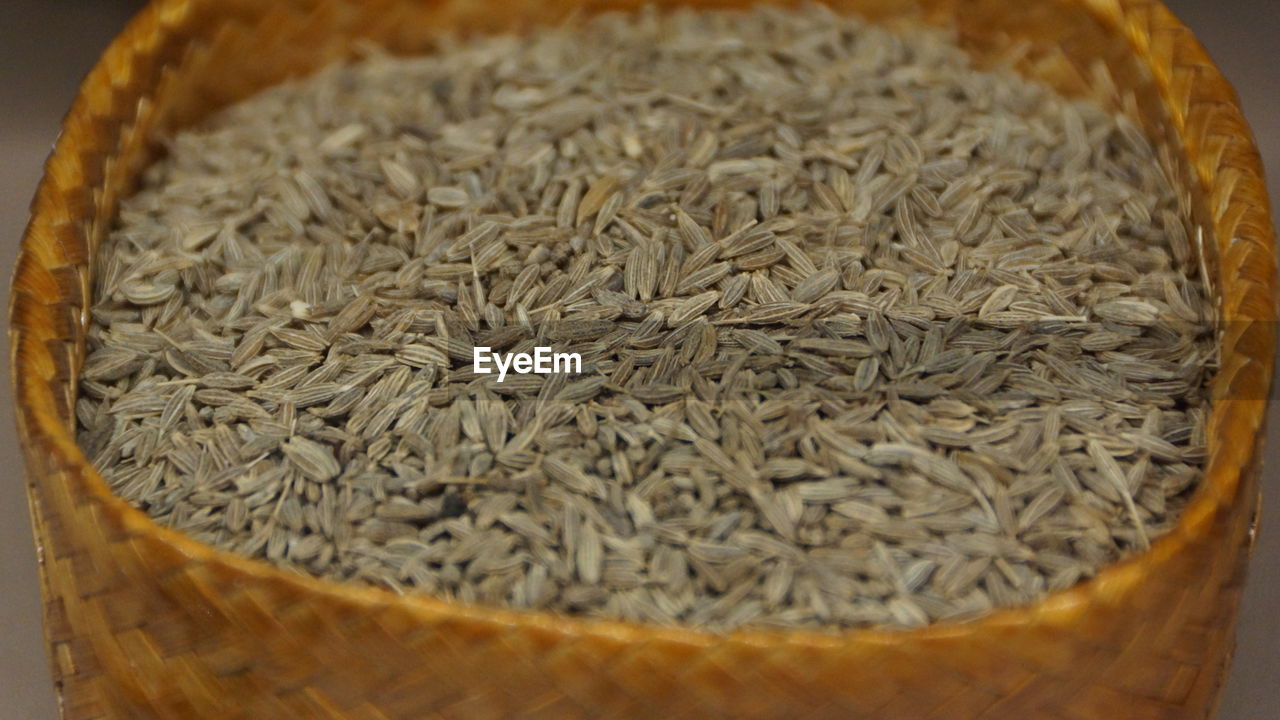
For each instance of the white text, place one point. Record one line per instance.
(542, 361)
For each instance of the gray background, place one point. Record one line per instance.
(46, 46)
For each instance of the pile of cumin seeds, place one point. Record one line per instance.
(869, 337)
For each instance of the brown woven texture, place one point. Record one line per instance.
(143, 622)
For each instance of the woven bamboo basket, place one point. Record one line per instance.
(143, 622)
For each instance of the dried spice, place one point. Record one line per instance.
(869, 337)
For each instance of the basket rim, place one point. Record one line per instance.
(40, 432)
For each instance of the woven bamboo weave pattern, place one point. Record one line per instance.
(143, 622)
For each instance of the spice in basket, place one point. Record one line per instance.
(865, 336)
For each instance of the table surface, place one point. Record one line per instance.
(46, 46)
